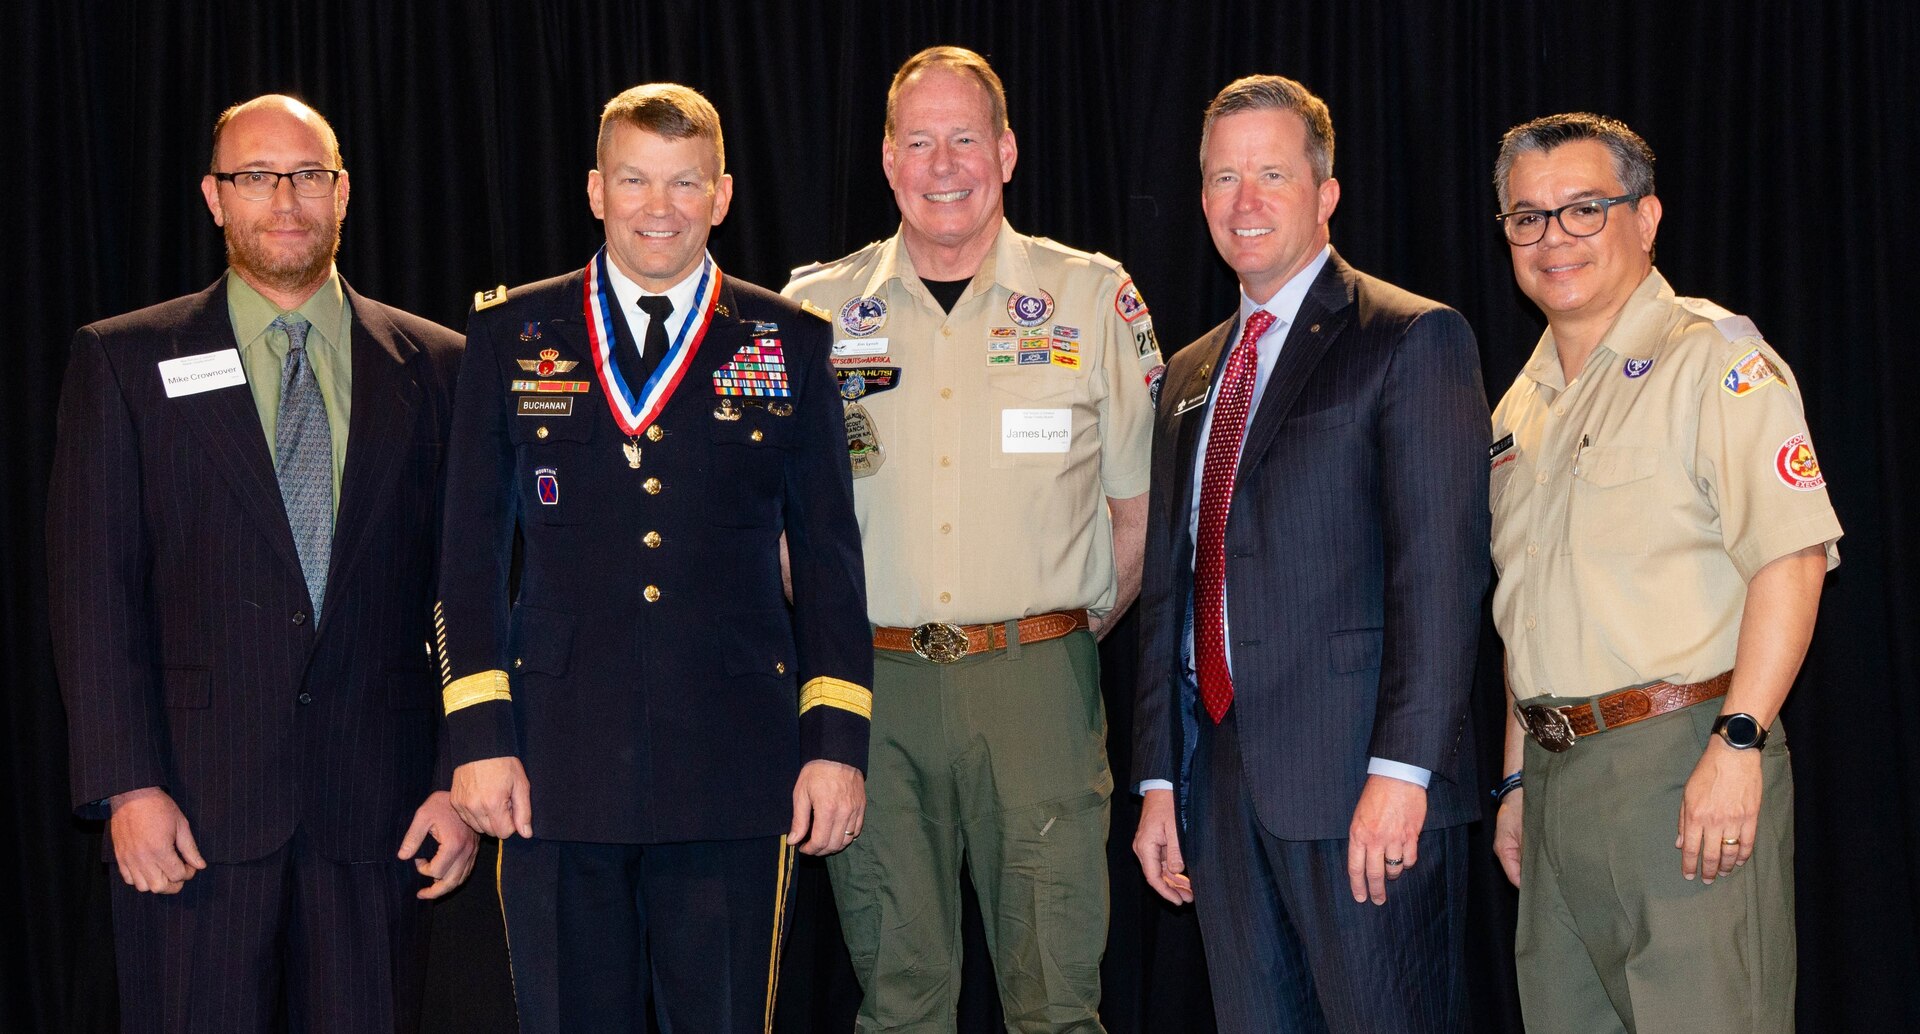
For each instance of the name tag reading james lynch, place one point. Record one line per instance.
(1036, 430)
(193, 374)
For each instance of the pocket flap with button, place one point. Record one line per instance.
(186, 687)
(526, 430)
(541, 641)
(761, 644)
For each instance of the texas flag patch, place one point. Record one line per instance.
(758, 370)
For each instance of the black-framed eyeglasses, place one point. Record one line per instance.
(1527, 226)
(259, 184)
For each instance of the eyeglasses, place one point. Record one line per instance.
(1527, 226)
(259, 184)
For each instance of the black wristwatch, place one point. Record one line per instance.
(1741, 731)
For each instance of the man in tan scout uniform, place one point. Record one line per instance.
(998, 423)
(1661, 531)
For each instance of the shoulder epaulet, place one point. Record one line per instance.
(847, 259)
(1730, 324)
(817, 311)
(490, 297)
(799, 271)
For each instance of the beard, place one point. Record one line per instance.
(281, 271)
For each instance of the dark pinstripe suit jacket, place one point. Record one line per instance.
(1356, 557)
(180, 618)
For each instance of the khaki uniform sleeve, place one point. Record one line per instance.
(1130, 364)
(1756, 460)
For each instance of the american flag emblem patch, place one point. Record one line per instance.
(758, 370)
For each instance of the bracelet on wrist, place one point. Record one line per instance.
(1507, 786)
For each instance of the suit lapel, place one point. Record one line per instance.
(1324, 313)
(379, 439)
(227, 423)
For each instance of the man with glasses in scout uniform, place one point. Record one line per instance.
(649, 704)
(1661, 530)
(998, 419)
(240, 536)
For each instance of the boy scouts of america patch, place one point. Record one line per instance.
(863, 316)
(1748, 372)
(1796, 465)
(549, 362)
(758, 369)
(858, 381)
(1636, 368)
(1030, 310)
(1128, 302)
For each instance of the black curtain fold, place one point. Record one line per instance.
(1786, 133)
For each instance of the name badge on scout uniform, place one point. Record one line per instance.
(636, 407)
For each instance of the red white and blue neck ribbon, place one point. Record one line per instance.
(634, 411)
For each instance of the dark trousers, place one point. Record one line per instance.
(326, 945)
(1288, 949)
(596, 932)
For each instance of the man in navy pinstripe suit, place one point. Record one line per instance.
(1316, 556)
(248, 693)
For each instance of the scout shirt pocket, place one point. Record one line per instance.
(1031, 422)
(1607, 513)
(551, 455)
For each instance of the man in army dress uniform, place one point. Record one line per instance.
(649, 703)
(998, 422)
(1661, 530)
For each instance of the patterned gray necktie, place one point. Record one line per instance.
(303, 454)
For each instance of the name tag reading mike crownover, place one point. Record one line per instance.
(193, 374)
(1036, 430)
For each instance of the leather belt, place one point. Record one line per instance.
(944, 643)
(1557, 728)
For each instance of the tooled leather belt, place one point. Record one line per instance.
(944, 643)
(1557, 728)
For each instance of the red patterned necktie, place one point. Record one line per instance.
(1216, 497)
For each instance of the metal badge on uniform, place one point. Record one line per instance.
(193, 374)
(549, 362)
(726, 410)
(546, 482)
(864, 452)
(530, 331)
(1797, 466)
(1195, 402)
(762, 328)
(862, 316)
(758, 370)
(1128, 303)
(1747, 373)
(858, 381)
(1030, 310)
(780, 408)
(1636, 368)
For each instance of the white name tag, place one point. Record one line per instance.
(861, 346)
(193, 374)
(1036, 430)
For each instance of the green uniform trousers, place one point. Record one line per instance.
(998, 758)
(1611, 937)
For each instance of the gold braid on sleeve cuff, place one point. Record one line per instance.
(477, 688)
(830, 692)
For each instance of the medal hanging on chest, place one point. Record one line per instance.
(636, 407)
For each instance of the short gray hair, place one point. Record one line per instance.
(1632, 158)
(1276, 93)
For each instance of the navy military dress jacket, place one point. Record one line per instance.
(650, 673)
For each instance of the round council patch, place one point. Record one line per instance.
(1030, 310)
(1636, 368)
(862, 316)
(1797, 466)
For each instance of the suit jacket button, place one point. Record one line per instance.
(652, 539)
(652, 485)
(654, 433)
(305, 697)
(651, 593)
(540, 432)
(299, 617)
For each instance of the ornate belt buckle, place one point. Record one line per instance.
(940, 642)
(1548, 726)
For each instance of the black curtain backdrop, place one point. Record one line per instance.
(1787, 136)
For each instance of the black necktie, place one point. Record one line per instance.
(636, 369)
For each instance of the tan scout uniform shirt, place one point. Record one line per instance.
(1631, 506)
(1003, 432)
